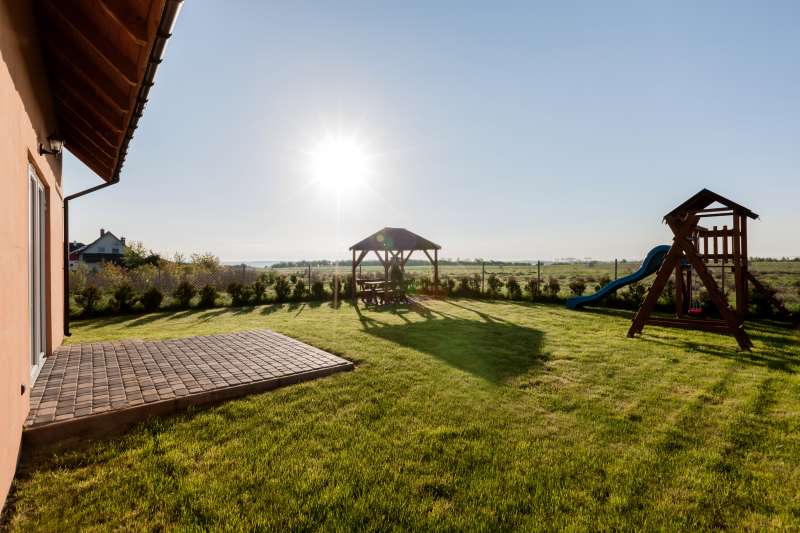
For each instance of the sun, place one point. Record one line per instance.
(339, 161)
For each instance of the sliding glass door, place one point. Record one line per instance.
(37, 217)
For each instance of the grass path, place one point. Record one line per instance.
(460, 415)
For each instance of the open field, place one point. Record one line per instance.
(783, 276)
(461, 414)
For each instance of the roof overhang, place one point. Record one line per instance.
(704, 198)
(102, 57)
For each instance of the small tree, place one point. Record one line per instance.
(208, 296)
(493, 284)
(259, 290)
(184, 293)
(240, 294)
(299, 291)
(124, 299)
(532, 287)
(151, 299)
(577, 286)
(88, 298)
(602, 282)
(282, 288)
(318, 290)
(514, 289)
(553, 287)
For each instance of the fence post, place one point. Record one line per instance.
(483, 276)
(615, 269)
(538, 276)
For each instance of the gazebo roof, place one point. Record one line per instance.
(395, 239)
(705, 198)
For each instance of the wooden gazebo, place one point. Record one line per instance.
(695, 251)
(395, 245)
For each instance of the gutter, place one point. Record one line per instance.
(164, 32)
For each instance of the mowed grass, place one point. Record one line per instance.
(460, 415)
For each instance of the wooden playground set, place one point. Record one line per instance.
(695, 250)
(694, 253)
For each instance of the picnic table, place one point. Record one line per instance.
(380, 292)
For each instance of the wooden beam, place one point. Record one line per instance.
(103, 136)
(89, 160)
(74, 133)
(74, 142)
(714, 326)
(110, 112)
(67, 54)
(134, 25)
(92, 117)
(77, 24)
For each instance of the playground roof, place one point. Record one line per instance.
(705, 198)
(395, 239)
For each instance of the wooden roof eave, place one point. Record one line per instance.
(102, 57)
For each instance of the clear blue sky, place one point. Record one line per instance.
(499, 130)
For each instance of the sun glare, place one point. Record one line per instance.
(339, 161)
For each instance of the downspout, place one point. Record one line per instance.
(66, 246)
(164, 32)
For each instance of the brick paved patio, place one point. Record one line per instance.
(101, 387)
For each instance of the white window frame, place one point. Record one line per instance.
(37, 279)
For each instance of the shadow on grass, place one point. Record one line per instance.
(778, 351)
(487, 347)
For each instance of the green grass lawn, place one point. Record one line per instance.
(460, 415)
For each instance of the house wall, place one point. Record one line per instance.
(26, 118)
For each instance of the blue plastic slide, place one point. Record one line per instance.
(649, 266)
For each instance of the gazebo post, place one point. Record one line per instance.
(436, 271)
(353, 281)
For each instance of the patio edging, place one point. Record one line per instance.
(116, 421)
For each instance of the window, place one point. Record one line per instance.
(37, 285)
(115, 250)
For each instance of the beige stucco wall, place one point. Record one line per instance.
(26, 118)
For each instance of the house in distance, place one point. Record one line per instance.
(107, 247)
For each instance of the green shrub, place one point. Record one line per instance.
(667, 296)
(514, 289)
(760, 303)
(318, 290)
(88, 298)
(184, 293)
(577, 286)
(602, 282)
(533, 289)
(425, 284)
(124, 299)
(447, 285)
(240, 294)
(208, 296)
(469, 286)
(267, 277)
(340, 288)
(634, 296)
(293, 278)
(282, 288)
(553, 287)
(151, 299)
(493, 286)
(259, 290)
(299, 291)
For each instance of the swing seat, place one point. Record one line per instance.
(696, 311)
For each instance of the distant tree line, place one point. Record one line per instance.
(411, 262)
